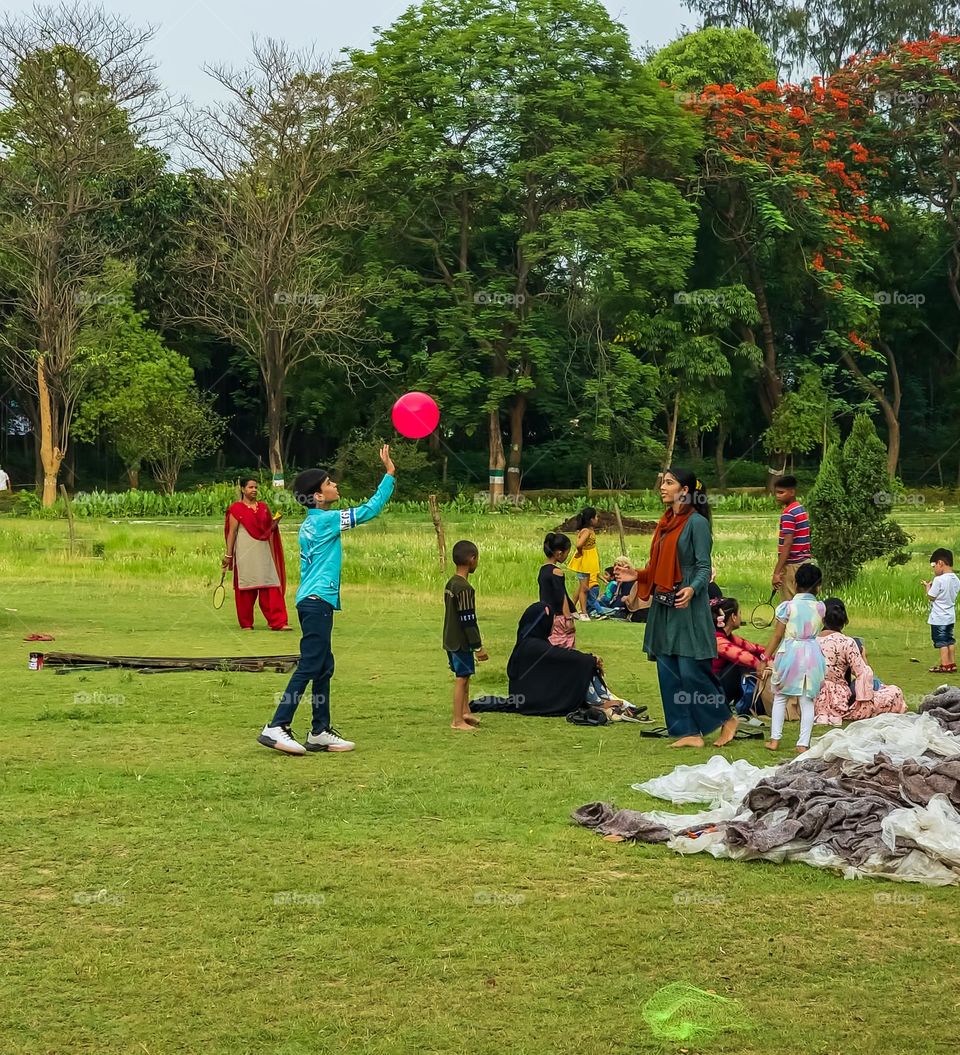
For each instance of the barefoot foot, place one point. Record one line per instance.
(727, 732)
(463, 727)
(801, 749)
(689, 741)
(471, 719)
(772, 745)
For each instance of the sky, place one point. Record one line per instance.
(193, 33)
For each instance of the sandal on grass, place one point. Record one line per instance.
(940, 669)
(660, 733)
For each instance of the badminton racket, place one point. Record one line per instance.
(220, 592)
(763, 614)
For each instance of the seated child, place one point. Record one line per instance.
(738, 662)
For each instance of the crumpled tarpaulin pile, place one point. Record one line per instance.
(878, 798)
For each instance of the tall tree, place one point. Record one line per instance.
(694, 346)
(80, 99)
(132, 373)
(533, 196)
(817, 36)
(714, 56)
(266, 255)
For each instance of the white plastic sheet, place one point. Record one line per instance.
(899, 736)
(717, 782)
(935, 828)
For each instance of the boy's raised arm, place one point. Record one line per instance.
(373, 507)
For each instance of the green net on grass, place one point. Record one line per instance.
(684, 1012)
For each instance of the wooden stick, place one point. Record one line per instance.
(82, 660)
(623, 539)
(438, 525)
(73, 533)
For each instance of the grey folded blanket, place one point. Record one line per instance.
(944, 705)
(837, 804)
(628, 824)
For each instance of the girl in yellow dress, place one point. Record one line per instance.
(586, 560)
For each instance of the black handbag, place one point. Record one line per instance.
(668, 598)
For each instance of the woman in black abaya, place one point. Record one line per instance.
(545, 680)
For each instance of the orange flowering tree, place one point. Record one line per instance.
(913, 92)
(785, 176)
(909, 95)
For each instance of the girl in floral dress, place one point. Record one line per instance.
(835, 703)
(798, 663)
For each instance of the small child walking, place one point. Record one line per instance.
(461, 634)
(586, 562)
(942, 590)
(798, 664)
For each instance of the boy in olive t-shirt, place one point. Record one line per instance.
(461, 635)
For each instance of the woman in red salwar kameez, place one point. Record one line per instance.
(255, 553)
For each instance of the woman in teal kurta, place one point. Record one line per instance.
(682, 637)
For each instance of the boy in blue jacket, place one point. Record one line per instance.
(318, 597)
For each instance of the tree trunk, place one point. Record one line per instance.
(37, 460)
(518, 409)
(719, 456)
(276, 414)
(671, 433)
(771, 386)
(50, 454)
(589, 479)
(890, 408)
(70, 469)
(275, 380)
(133, 477)
(497, 460)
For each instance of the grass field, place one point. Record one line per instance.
(168, 886)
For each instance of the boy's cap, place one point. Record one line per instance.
(307, 484)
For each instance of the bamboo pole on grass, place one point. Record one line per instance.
(73, 531)
(623, 537)
(438, 526)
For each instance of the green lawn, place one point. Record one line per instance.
(169, 886)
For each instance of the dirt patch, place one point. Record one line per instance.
(608, 522)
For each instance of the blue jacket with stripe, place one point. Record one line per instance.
(321, 552)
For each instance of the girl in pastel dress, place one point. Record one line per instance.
(798, 664)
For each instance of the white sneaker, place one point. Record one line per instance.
(581, 618)
(278, 737)
(331, 740)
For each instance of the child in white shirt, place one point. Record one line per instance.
(942, 591)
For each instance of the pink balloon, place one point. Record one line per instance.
(415, 415)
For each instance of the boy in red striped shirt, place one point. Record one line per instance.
(793, 548)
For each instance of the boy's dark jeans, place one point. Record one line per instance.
(316, 665)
